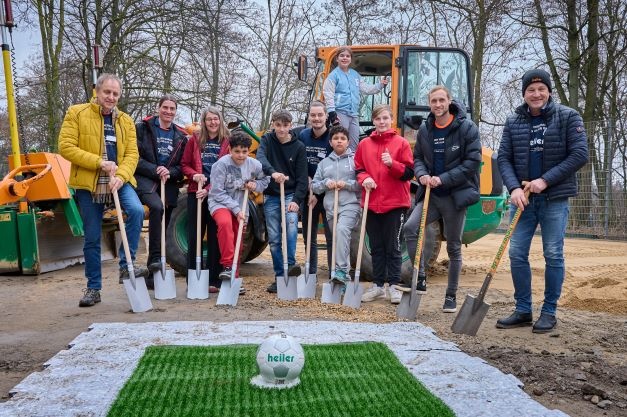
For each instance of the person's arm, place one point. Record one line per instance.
(176, 173)
(576, 151)
(261, 180)
(68, 144)
(505, 158)
(217, 192)
(407, 161)
(144, 168)
(318, 183)
(420, 168)
(365, 88)
(328, 90)
(302, 179)
(470, 161)
(187, 160)
(262, 155)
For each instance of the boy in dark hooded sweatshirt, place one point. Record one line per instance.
(283, 157)
(384, 164)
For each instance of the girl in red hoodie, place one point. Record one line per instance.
(201, 152)
(384, 165)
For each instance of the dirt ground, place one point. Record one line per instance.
(582, 363)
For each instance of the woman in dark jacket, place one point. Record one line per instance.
(202, 151)
(161, 144)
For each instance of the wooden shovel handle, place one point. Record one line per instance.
(309, 227)
(335, 205)
(423, 224)
(240, 231)
(163, 219)
(198, 224)
(362, 231)
(283, 225)
(118, 209)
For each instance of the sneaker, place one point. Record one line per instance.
(373, 293)
(242, 290)
(226, 274)
(421, 285)
(293, 270)
(272, 288)
(339, 277)
(213, 289)
(150, 282)
(450, 304)
(395, 295)
(139, 272)
(90, 297)
(154, 266)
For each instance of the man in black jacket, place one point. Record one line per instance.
(543, 143)
(161, 144)
(447, 155)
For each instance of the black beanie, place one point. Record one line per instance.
(536, 75)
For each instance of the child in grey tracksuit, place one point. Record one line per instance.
(230, 176)
(337, 171)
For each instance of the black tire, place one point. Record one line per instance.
(176, 239)
(431, 249)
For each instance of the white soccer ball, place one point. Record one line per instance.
(280, 359)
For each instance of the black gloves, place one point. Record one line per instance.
(333, 120)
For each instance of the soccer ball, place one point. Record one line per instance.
(280, 359)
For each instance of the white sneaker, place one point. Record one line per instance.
(373, 293)
(395, 295)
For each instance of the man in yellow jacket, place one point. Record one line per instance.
(100, 142)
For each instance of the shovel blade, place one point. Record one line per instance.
(352, 296)
(165, 286)
(470, 316)
(306, 286)
(138, 295)
(408, 307)
(286, 288)
(229, 292)
(331, 293)
(197, 284)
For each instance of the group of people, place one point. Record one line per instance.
(544, 144)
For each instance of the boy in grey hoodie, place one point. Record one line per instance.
(337, 171)
(230, 176)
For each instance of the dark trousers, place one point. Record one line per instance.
(155, 212)
(209, 229)
(315, 213)
(384, 234)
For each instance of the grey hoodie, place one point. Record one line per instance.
(227, 183)
(335, 167)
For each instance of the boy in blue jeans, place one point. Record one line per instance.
(283, 158)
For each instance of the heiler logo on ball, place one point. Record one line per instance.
(280, 359)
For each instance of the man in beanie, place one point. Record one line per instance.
(543, 144)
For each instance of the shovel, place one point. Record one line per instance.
(473, 310)
(354, 291)
(306, 283)
(229, 290)
(198, 279)
(286, 287)
(136, 290)
(165, 286)
(408, 307)
(332, 291)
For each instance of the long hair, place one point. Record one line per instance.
(223, 131)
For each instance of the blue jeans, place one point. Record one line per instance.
(552, 216)
(272, 211)
(91, 213)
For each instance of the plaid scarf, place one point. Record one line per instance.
(102, 194)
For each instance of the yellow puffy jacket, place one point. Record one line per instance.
(81, 141)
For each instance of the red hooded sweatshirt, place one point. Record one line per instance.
(392, 182)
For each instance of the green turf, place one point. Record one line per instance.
(356, 379)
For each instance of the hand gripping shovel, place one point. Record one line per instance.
(198, 279)
(306, 283)
(286, 287)
(165, 286)
(473, 310)
(332, 291)
(229, 290)
(408, 307)
(136, 290)
(354, 291)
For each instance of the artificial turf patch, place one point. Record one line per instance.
(356, 379)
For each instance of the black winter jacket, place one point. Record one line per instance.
(565, 149)
(146, 172)
(462, 157)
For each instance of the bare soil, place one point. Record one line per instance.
(582, 362)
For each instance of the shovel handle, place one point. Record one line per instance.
(333, 242)
(163, 220)
(283, 229)
(309, 226)
(499, 254)
(362, 235)
(198, 224)
(240, 231)
(127, 251)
